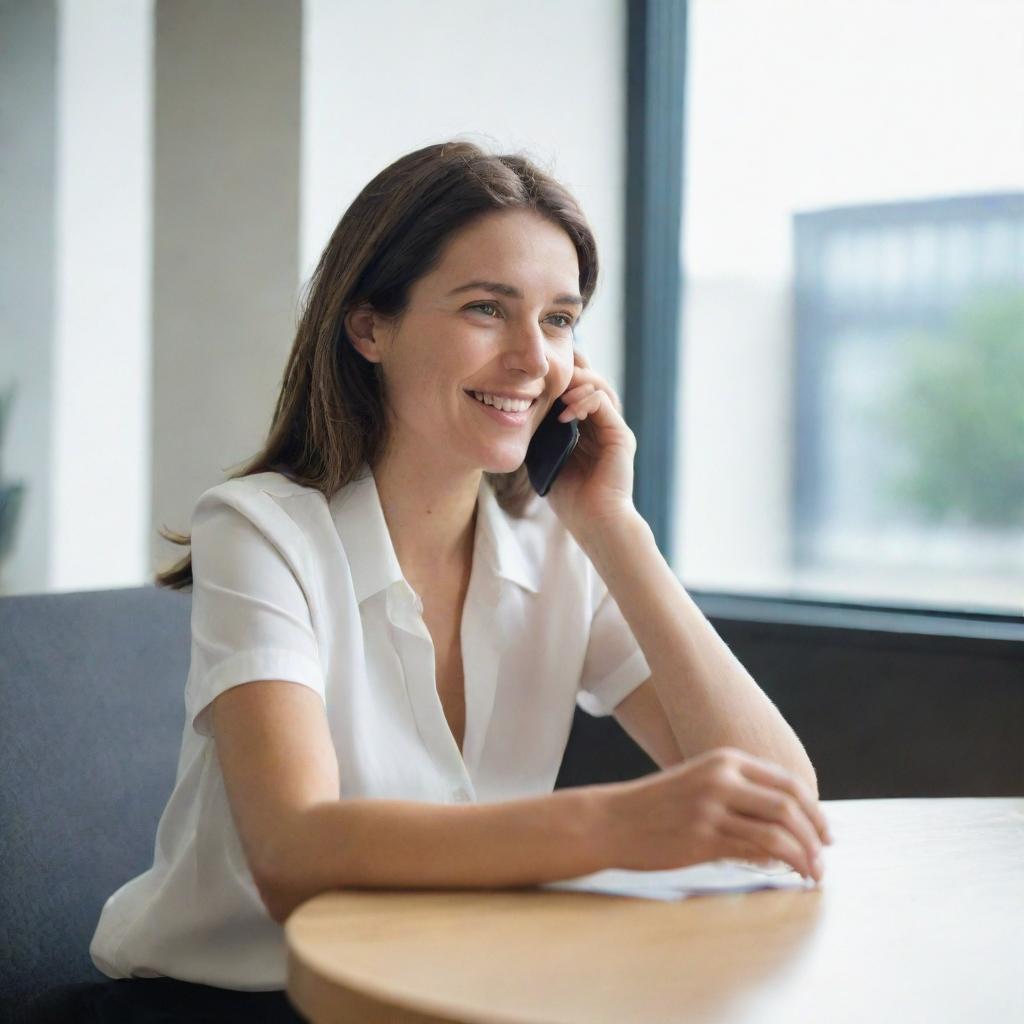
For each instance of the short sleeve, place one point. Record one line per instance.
(250, 616)
(614, 665)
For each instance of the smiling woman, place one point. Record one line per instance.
(390, 636)
(379, 609)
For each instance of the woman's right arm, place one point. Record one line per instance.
(281, 776)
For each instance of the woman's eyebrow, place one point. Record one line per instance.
(510, 292)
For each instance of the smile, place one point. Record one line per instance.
(515, 413)
(504, 404)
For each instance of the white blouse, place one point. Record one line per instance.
(288, 585)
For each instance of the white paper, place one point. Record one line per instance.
(716, 876)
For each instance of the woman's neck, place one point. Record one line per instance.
(430, 517)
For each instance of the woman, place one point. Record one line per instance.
(414, 626)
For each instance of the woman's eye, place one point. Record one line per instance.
(566, 323)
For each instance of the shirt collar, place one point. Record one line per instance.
(510, 557)
(360, 523)
(364, 535)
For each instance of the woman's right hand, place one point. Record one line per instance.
(723, 803)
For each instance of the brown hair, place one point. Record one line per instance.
(329, 418)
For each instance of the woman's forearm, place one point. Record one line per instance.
(709, 697)
(370, 843)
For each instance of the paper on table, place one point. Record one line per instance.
(716, 876)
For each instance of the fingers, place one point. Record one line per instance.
(773, 807)
(755, 840)
(753, 858)
(584, 375)
(579, 401)
(584, 399)
(774, 776)
(577, 392)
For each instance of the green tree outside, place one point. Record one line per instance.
(956, 414)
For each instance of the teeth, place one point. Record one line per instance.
(504, 404)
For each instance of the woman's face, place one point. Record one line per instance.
(510, 336)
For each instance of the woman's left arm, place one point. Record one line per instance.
(709, 698)
(707, 695)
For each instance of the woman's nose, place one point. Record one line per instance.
(527, 352)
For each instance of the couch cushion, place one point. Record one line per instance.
(91, 716)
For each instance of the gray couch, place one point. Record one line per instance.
(91, 715)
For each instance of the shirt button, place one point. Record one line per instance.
(460, 795)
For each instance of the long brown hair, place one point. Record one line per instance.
(330, 418)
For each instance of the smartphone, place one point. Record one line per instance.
(550, 447)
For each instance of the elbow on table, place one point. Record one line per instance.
(287, 879)
(279, 899)
(275, 885)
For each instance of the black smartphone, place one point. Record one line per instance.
(550, 447)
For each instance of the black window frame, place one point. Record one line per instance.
(654, 294)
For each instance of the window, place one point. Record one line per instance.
(852, 377)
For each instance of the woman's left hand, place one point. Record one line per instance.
(596, 483)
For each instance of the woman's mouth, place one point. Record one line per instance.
(508, 419)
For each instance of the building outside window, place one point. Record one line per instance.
(909, 440)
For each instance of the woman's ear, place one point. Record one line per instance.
(359, 324)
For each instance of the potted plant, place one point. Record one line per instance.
(11, 492)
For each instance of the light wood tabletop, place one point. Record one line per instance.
(919, 917)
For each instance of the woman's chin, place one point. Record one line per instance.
(504, 462)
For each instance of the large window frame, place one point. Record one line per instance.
(656, 91)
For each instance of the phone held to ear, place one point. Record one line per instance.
(550, 447)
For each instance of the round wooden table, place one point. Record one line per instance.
(920, 917)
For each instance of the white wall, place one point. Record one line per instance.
(382, 79)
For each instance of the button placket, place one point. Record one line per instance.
(489, 624)
(417, 656)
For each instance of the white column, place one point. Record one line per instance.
(101, 382)
(225, 240)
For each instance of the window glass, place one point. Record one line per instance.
(852, 374)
